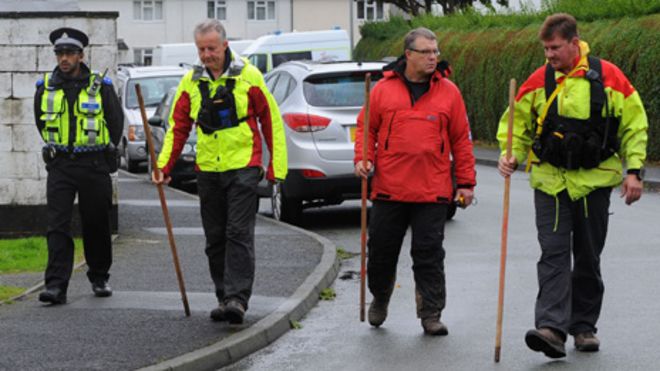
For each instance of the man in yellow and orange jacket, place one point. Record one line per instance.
(229, 103)
(578, 117)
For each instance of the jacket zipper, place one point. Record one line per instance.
(389, 131)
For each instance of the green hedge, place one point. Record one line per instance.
(485, 55)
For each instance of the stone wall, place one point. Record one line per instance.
(26, 55)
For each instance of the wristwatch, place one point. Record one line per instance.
(638, 172)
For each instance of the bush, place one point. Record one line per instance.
(486, 51)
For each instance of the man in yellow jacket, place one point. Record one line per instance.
(579, 118)
(231, 107)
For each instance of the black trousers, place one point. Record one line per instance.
(228, 204)
(570, 295)
(88, 177)
(387, 227)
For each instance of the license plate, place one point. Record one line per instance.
(352, 130)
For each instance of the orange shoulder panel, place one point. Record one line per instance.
(615, 79)
(535, 81)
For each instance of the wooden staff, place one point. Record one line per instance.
(363, 214)
(163, 202)
(505, 224)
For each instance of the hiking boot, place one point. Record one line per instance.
(234, 312)
(101, 289)
(547, 341)
(378, 312)
(218, 314)
(586, 342)
(53, 295)
(433, 326)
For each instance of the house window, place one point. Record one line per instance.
(217, 9)
(143, 56)
(370, 10)
(261, 10)
(148, 10)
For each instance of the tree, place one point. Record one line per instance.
(416, 7)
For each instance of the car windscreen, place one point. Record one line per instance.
(344, 89)
(153, 89)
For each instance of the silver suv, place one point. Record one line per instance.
(319, 103)
(154, 82)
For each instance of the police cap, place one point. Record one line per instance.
(66, 38)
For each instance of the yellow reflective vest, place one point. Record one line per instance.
(91, 128)
(235, 147)
(574, 101)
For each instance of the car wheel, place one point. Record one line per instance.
(133, 166)
(284, 208)
(451, 210)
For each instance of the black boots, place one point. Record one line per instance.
(101, 289)
(53, 296)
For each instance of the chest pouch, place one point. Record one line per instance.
(218, 112)
(572, 143)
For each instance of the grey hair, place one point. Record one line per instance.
(211, 25)
(412, 35)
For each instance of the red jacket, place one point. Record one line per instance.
(412, 145)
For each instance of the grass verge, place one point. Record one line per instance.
(30, 254)
(7, 292)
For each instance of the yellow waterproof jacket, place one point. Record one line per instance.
(574, 101)
(232, 148)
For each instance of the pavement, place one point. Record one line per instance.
(143, 326)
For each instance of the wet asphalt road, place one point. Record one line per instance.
(333, 338)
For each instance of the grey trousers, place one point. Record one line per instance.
(570, 293)
(228, 204)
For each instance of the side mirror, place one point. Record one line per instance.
(155, 120)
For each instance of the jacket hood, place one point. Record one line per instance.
(399, 66)
(234, 64)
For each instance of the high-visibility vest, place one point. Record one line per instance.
(91, 128)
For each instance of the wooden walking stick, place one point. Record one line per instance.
(363, 214)
(163, 202)
(505, 224)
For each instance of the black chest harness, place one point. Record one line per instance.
(572, 143)
(218, 112)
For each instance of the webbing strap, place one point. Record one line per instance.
(597, 90)
(550, 99)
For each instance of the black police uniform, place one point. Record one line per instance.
(86, 174)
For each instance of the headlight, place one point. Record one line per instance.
(187, 148)
(135, 132)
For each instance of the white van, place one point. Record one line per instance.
(269, 51)
(176, 54)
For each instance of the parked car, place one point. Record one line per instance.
(319, 103)
(154, 82)
(184, 168)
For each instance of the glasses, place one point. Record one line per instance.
(427, 52)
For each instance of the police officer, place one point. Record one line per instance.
(80, 120)
(228, 102)
(581, 117)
